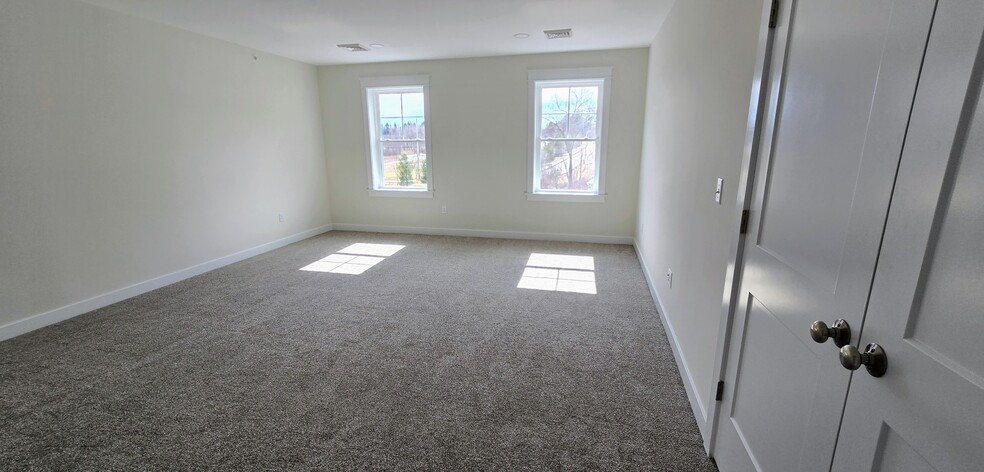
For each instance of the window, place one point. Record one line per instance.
(396, 128)
(569, 120)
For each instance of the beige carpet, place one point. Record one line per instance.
(431, 359)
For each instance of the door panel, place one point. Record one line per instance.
(947, 324)
(844, 75)
(765, 393)
(927, 300)
(831, 72)
(896, 455)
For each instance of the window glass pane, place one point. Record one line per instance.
(413, 127)
(569, 128)
(413, 104)
(391, 154)
(419, 160)
(390, 105)
(399, 158)
(569, 112)
(567, 165)
(583, 125)
(553, 125)
(389, 128)
(554, 99)
(584, 99)
(404, 164)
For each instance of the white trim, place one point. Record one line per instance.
(25, 325)
(485, 233)
(566, 197)
(401, 193)
(602, 76)
(565, 74)
(762, 101)
(395, 81)
(370, 112)
(689, 384)
(760, 104)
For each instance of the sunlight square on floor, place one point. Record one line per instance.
(561, 261)
(559, 273)
(367, 249)
(354, 259)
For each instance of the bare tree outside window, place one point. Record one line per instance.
(568, 137)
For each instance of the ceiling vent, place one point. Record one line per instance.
(354, 47)
(558, 34)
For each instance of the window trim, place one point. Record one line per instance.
(370, 112)
(538, 78)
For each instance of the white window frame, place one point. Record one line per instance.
(539, 79)
(371, 87)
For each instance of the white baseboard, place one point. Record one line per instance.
(484, 233)
(700, 413)
(41, 320)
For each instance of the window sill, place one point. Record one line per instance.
(401, 193)
(565, 197)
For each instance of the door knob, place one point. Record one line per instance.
(873, 358)
(840, 332)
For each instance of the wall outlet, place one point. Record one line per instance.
(717, 192)
(444, 209)
(669, 277)
(281, 217)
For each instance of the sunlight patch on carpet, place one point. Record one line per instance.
(354, 259)
(559, 273)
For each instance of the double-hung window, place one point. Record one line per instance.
(398, 139)
(569, 109)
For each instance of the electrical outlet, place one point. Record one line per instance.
(669, 277)
(281, 217)
(444, 209)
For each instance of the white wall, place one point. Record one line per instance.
(479, 128)
(130, 150)
(700, 81)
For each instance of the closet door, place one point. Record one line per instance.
(926, 413)
(843, 77)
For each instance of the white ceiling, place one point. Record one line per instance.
(309, 30)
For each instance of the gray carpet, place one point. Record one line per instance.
(430, 360)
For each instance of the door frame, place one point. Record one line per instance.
(760, 105)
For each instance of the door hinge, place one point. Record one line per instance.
(743, 228)
(774, 14)
(720, 391)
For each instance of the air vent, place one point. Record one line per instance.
(558, 34)
(354, 47)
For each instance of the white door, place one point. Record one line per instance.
(927, 302)
(844, 73)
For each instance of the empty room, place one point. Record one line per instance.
(654, 235)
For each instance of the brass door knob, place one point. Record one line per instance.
(873, 358)
(840, 332)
